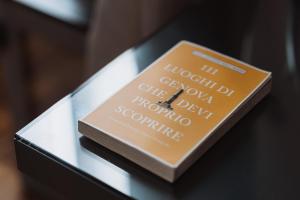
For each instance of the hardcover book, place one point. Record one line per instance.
(177, 108)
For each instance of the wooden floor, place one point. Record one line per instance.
(51, 65)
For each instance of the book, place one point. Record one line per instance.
(178, 107)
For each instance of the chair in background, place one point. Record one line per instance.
(64, 22)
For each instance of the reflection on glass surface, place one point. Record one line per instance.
(55, 131)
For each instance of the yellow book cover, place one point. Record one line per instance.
(162, 118)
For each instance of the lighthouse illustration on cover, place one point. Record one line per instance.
(167, 104)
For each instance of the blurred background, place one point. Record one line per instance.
(49, 47)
